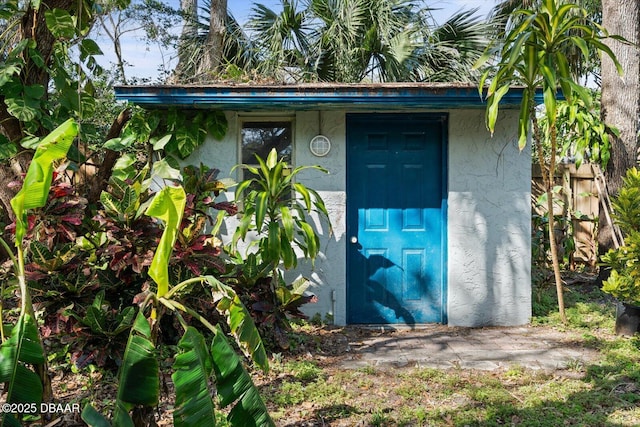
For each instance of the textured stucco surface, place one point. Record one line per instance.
(328, 275)
(488, 265)
(489, 227)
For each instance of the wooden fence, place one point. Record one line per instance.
(577, 198)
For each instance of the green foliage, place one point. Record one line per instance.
(24, 347)
(74, 253)
(203, 181)
(24, 101)
(17, 354)
(239, 321)
(623, 286)
(42, 85)
(102, 320)
(235, 385)
(252, 280)
(93, 418)
(247, 271)
(126, 196)
(35, 189)
(304, 370)
(139, 375)
(533, 54)
(190, 132)
(340, 41)
(540, 230)
(277, 208)
(192, 369)
(626, 205)
(624, 281)
(176, 132)
(198, 252)
(139, 382)
(168, 206)
(7, 149)
(60, 23)
(124, 238)
(581, 134)
(361, 40)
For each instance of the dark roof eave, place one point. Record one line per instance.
(312, 97)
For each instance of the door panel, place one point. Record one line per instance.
(396, 210)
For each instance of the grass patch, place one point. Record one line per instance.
(605, 392)
(303, 370)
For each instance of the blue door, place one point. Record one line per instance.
(396, 218)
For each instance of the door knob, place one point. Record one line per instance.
(354, 239)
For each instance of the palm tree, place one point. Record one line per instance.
(533, 54)
(282, 40)
(448, 52)
(356, 40)
(338, 40)
(195, 64)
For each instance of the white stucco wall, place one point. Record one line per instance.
(328, 275)
(488, 214)
(330, 270)
(489, 227)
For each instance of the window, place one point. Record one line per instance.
(259, 137)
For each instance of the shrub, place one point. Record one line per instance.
(624, 281)
(276, 209)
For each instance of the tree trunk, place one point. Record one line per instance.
(548, 174)
(33, 26)
(553, 244)
(214, 45)
(620, 98)
(190, 18)
(11, 171)
(188, 36)
(98, 182)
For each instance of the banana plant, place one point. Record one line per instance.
(22, 359)
(196, 361)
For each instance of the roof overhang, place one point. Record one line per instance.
(313, 96)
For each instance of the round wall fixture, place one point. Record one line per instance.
(320, 145)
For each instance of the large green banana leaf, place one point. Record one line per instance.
(35, 189)
(192, 369)
(93, 418)
(168, 205)
(240, 321)
(234, 384)
(16, 353)
(139, 382)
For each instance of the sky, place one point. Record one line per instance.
(240, 8)
(145, 60)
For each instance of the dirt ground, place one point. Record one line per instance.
(326, 346)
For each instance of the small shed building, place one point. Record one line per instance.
(431, 214)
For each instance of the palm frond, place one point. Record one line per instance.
(352, 41)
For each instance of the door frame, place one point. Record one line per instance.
(443, 119)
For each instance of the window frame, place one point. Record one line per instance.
(264, 119)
